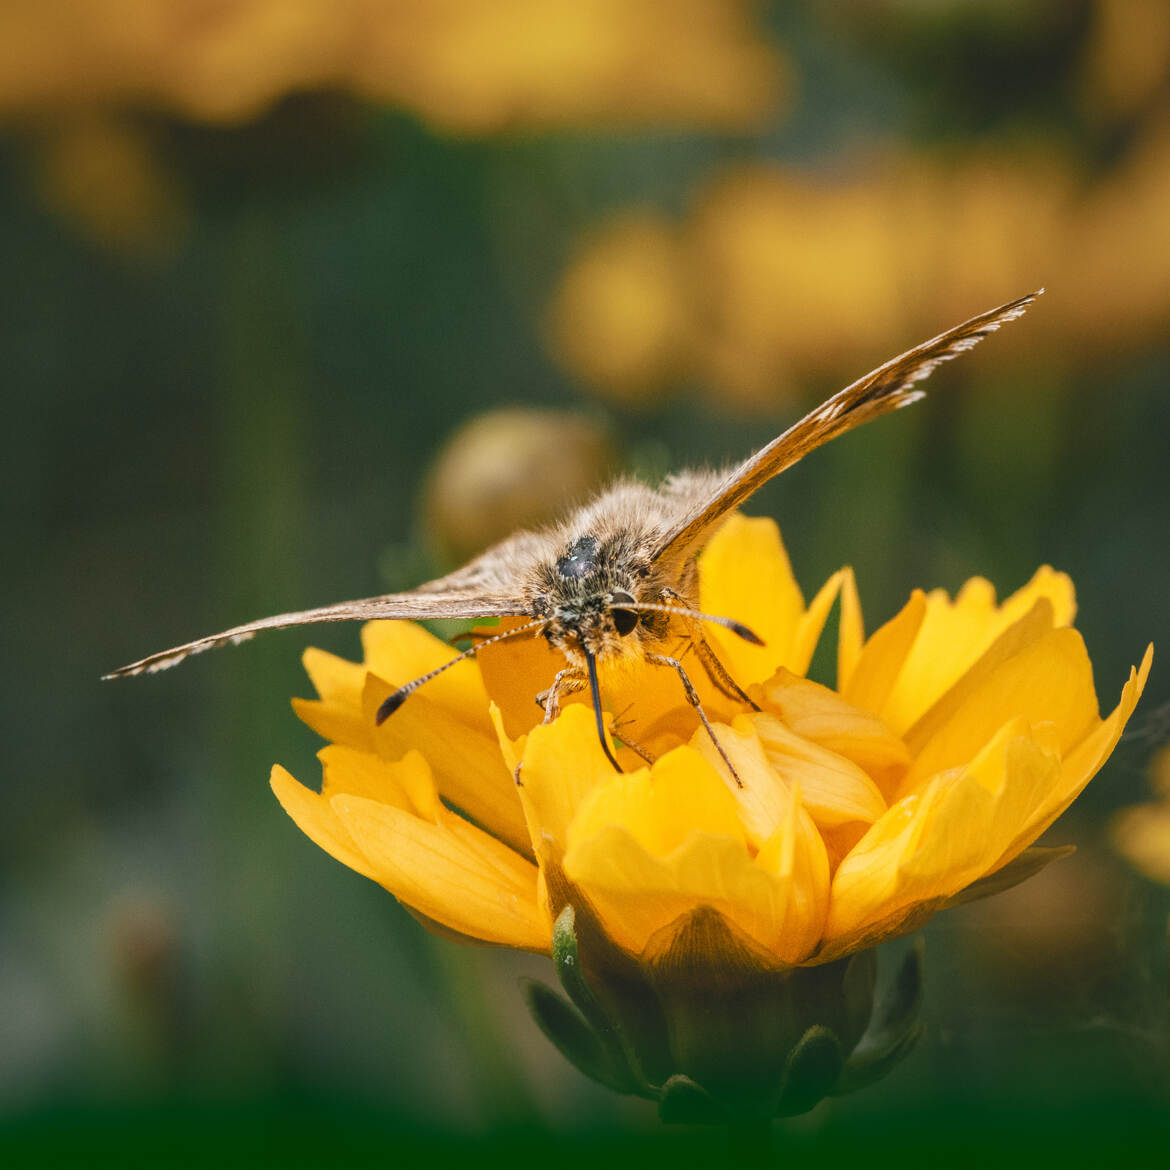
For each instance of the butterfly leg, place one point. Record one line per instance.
(696, 702)
(567, 682)
(719, 674)
(615, 728)
(712, 667)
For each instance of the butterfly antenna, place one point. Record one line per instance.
(737, 628)
(595, 691)
(395, 700)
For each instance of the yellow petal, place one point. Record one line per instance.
(819, 714)
(435, 869)
(398, 652)
(763, 799)
(515, 672)
(1083, 762)
(866, 883)
(316, 819)
(408, 783)
(835, 790)
(812, 624)
(560, 766)
(1049, 681)
(1047, 583)
(1034, 624)
(636, 895)
(337, 714)
(850, 630)
(884, 655)
(933, 844)
(744, 573)
(650, 706)
(795, 855)
(467, 764)
(955, 634)
(660, 807)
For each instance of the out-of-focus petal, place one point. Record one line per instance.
(1141, 834)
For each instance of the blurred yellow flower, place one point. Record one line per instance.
(957, 732)
(1129, 56)
(779, 277)
(462, 65)
(1141, 833)
(102, 174)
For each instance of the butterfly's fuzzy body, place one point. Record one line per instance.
(615, 578)
(599, 562)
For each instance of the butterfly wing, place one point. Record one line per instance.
(489, 585)
(416, 606)
(887, 388)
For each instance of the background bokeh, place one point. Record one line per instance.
(263, 259)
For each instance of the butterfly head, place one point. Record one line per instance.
(591, 598)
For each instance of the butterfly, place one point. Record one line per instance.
(619, 577)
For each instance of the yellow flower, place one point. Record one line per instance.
(957, 732)
(461, 65)
(774, 267)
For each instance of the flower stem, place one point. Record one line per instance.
(749, 1142)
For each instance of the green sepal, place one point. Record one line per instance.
(682, 1101)
(619, 1073)
(857, 990)
(567, 960)
(573, 1037)
(894, 1031)
(813, 1069)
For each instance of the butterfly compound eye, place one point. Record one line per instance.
(624, 620)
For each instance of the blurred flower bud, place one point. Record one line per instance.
(1141, 833)
(102, 174)
(510, 469)
(144, 945)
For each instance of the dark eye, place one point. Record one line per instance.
(624, 620)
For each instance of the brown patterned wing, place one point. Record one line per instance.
(887, 388)
(418, 605)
